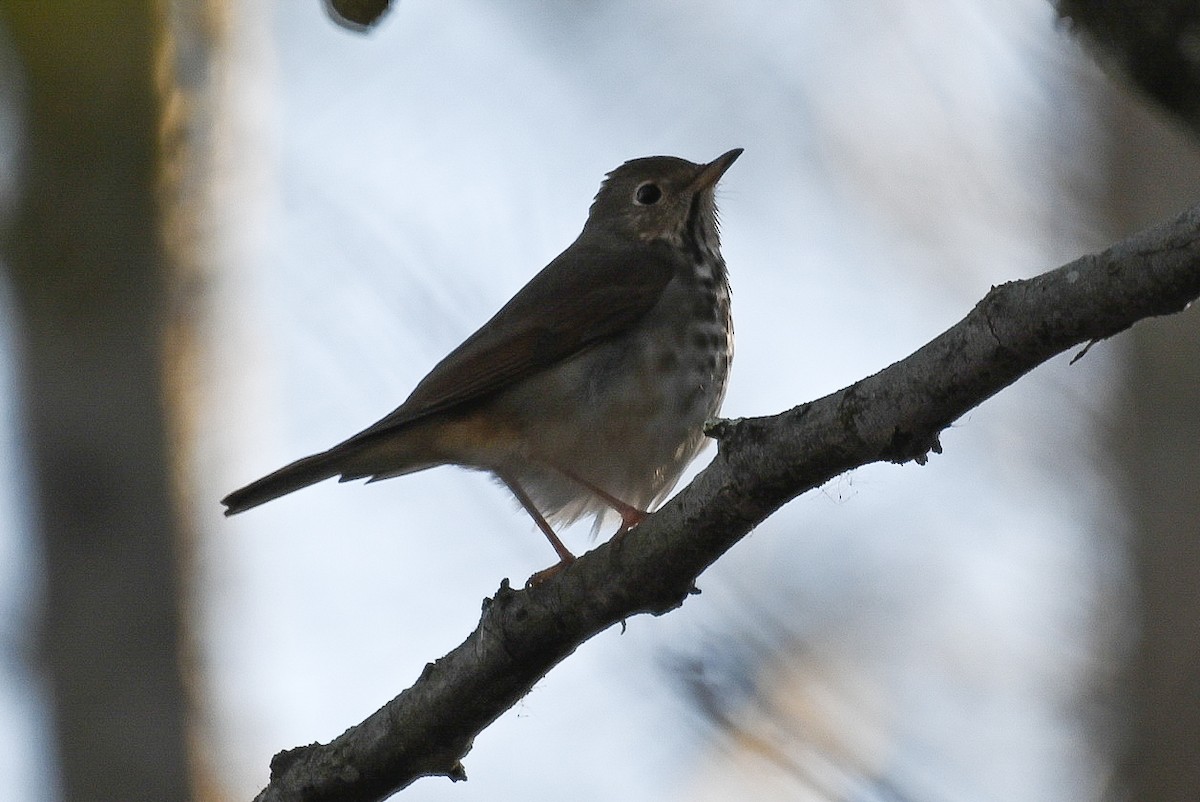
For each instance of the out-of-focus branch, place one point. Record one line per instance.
(895, 415)
(357, 15)
(1151, 43)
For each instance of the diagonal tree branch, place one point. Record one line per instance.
(762, 463)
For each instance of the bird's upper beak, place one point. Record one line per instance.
(711, 173)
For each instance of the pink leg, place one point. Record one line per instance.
(631, 516)
(565, 557)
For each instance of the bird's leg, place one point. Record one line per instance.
(631, 516)
(565, 557)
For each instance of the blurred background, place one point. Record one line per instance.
(235, 234)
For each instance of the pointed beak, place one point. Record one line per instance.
(711, 173)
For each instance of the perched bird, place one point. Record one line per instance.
(588, 392)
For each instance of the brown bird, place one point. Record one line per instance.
(588, 392)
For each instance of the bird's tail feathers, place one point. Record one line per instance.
(301, 473)
(358, 458)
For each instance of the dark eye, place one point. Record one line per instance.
(647, 194)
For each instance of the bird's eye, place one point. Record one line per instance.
(647, 194)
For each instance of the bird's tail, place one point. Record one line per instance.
(368, 455)
(301, 473)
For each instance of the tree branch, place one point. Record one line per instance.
(762, 463)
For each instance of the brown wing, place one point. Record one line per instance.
(590, 292)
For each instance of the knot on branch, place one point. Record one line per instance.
(720, 428)
(289, 757)
(908, 446)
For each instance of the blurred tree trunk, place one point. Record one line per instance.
(1161, 453)
(1155, 172)
(1157, 461)
(89, 270)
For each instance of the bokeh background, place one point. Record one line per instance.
(237, 233)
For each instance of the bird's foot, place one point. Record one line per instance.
(630, 517)
(548, 573)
